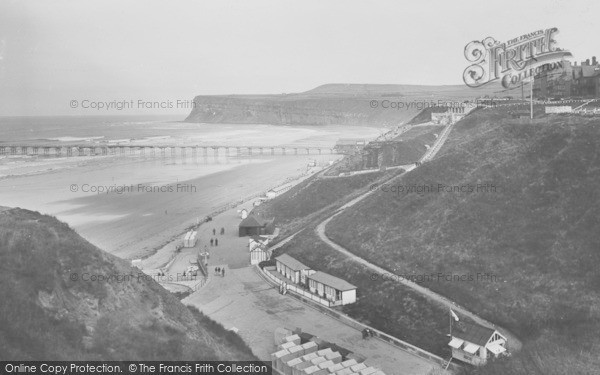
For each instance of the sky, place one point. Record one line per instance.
(55, 52)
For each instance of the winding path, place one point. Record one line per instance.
(514, 343)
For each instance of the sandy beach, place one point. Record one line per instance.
(132, 206)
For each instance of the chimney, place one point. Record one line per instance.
(575, 63)
(594, 62)
(587, 62)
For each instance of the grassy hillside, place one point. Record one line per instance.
(411, 145)
(315, 198)
(452, 91)
(536, 235)
(54, 307)
(383, 303)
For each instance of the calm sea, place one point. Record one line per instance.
(42, 128)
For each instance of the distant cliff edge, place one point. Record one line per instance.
(331, 104)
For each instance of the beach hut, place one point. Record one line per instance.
(474, 344)
(190, 239)
(333, 289)
(292, 269)
(259, 254)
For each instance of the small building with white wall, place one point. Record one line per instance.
(475, 344)
(292, 269)
(259, 254)
(334, 289)
(258, 249)
(190, 239)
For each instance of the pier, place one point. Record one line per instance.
(161, 151)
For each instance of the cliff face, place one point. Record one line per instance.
(64, 299)
(339, 104)
(294, 110)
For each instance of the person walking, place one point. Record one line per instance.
(216, 242)
(223, 272)
(222, 231)
(214, 231)
(211, 242)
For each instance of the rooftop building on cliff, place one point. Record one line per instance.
(572, 81)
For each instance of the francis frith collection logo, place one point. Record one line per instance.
(514, 61)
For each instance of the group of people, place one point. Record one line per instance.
(219, 271)
(366, 333)
(215, 241)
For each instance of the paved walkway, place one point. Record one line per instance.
(514, 342)
(242, 299)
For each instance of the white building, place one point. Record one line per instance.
(190, 239)
(259, 254)
(292, 269)
(258, 249)
(475, 344)
(336, 290)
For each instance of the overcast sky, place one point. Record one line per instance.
(52, 52)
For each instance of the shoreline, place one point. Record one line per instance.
(214, 214)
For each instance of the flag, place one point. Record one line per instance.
(454, 315)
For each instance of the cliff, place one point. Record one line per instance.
(339, 104)
(64, 299)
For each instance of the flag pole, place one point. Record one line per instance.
(531, 97)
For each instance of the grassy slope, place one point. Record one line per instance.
(538, 233)
(411, 145)
(44, 315)
(407, 148)
(384, 304)
(314, 198)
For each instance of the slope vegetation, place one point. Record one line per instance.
(522, 251)
(64, 299)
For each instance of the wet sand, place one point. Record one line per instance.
(158, 199)
(131, 206)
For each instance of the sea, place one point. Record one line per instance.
(129, 204)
